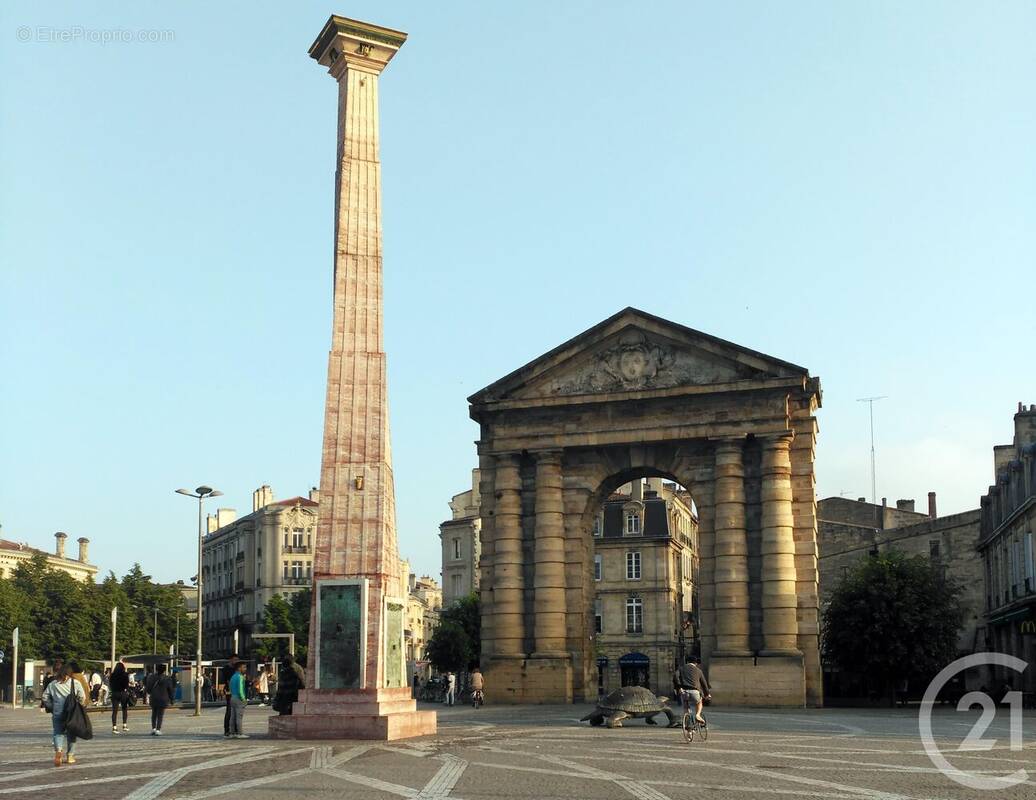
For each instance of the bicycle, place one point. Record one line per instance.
(476, 698)
(689, 724)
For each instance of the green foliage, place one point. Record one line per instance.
(286, 616)
(893, 617)
(60, 617)
(456, 644)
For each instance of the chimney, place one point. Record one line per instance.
(262, 497)
(931, 505)
(314, 494)
(224, 516)
(655, 485)
(861, 499)
(84, 549)
(638, 489)
(210, 523)
(59, 544)
(905, 505)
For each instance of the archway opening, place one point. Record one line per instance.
(643, 527)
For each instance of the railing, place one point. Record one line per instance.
(296, 548)
(290, 581)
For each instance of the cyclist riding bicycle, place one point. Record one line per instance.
(690, 684)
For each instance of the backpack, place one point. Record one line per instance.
(77, 722)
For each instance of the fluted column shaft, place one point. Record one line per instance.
(731, 551)
(508, 582)
(780, 625)
(549, 555)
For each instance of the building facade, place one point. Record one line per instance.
(852, 530)
(461, 544)
(1008, 522)
(645, 543)
(247, 560)
(14, 553)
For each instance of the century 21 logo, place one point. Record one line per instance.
(974, 740)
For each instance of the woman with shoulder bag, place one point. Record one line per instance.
(55, 699)
(119, 685)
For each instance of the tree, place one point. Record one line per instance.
(893, 617)
(286, 616)
(457, 643)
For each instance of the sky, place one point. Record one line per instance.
(847, 186)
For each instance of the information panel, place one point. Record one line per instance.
(341, 607)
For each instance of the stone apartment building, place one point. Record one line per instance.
(1008, 522)
(424, 604)
(14, 553)
(247, 560)
(461, 544)
(645, 540)
(851, 530)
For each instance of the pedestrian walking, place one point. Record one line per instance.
(228, 672)
(238, 701)
(262, 686)
(290, 679)
(119, 683)
(55, 697)
(162, 692)
(451, 688)
(105, 692)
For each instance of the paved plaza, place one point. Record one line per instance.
(518, 752)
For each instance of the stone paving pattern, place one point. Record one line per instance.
(517, 752)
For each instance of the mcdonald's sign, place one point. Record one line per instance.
(1028, 626)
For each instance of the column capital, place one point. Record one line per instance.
(728, 444)
(776, 441)
(346, 43)
(547, 456)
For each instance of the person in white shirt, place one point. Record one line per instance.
(95, 686)
(451, 688)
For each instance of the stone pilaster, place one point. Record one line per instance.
(703, 492)
(731, 551)
(807, 570)
(549, 556)
(780, 623)
(508, 580)
(578, 594)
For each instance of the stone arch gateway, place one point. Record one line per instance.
(639, 395)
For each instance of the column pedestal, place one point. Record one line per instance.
(772, 680)
(379, 714)
(537, 679)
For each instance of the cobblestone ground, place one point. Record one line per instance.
(528, 752)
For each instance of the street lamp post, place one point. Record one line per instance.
(201, 493)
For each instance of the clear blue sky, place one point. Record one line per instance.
(847, 186)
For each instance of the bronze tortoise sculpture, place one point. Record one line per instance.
(630, 701)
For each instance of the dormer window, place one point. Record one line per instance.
(633, 518)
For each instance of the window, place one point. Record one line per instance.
(632, 522)
(597, 525)
(633, 566)
(933, 548)
(285, 569)
(1030, 567)
(296, 569)
(598, 616)
(455, 583)
(296, 537)
(634, 615)
(456, 548)
(598, 567)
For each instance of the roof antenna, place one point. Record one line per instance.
(874, 482)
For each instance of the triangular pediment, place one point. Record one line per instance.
(635, 352)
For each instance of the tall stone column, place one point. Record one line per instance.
(356, 655)
(508, 583)
(780, 625)
(549, 600)
(731, 551)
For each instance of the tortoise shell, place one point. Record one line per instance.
(632, 700)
